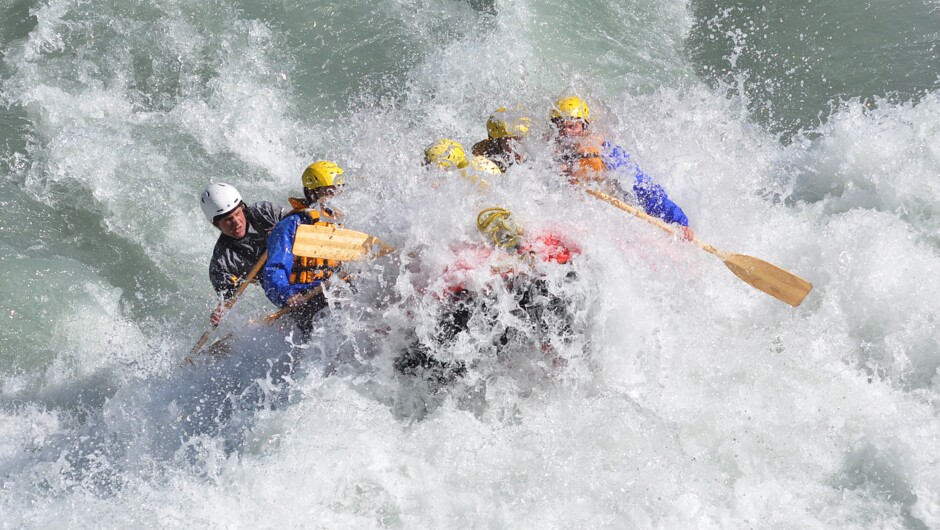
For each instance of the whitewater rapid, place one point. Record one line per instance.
(689, 398)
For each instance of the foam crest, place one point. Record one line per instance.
(678, 396)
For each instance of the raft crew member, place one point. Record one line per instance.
(448, 155)
(506, 129)
(548, 313)
(288, 277)
(512, 257)
(315, 192)
(243, 239)
(587, 158)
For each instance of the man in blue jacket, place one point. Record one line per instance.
(288, 278)
(588, 160)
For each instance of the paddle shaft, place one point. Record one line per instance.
(228, 305)
(268, 320)
(767, 277)
(653, 221)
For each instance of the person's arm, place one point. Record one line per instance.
(654, 200)
(280, 264)
(225, 282)
(268, 215)
(651, 196)
(656, 203)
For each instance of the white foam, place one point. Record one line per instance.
(690, 399)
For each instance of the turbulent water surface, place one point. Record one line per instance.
(806, 136)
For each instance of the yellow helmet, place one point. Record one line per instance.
(446, 153)
(482, 164)
(504, 123)
(497, 223)
(571, 107)
(478, 169)
(323, 173)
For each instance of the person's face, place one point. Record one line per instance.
(571, 128)
(320, 194)
(234, 225)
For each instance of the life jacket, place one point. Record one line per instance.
(467, 259)
(550, 247)
(584, 161)
(298, 204)
(309, 270)
(460, 275)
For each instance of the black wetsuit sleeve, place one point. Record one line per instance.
(223, 279)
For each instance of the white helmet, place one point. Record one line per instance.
(219, 199)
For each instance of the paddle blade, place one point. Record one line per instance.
(782, 285)
(339, 244)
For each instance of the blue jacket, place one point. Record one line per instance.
(651, 196)
(280, 264)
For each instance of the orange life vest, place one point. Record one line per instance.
(309, 270)
(585, 163)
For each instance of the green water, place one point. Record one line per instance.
(693, 400)
(796, 62)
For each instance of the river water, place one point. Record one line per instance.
(807, 136)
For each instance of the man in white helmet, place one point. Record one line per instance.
(243, 239)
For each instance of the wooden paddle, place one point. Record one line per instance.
(339, 244)
(226, 306)
(268, 320)
(769, 278)
(218, 348)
